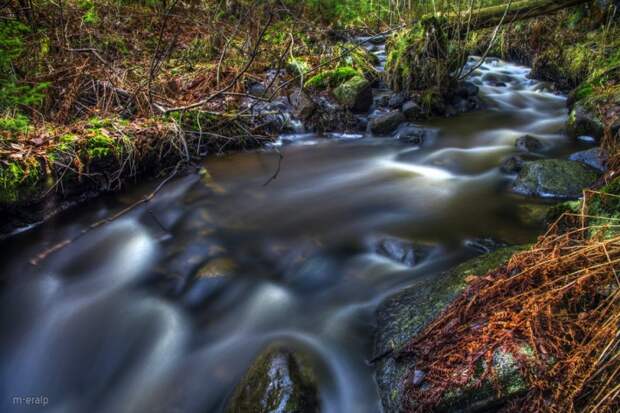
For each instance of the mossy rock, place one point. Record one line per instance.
(405, 314)
(554, 178)
(279, 381)
(582, 122)
(332, 78)
(354, 94)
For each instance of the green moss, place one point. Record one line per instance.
(15, 124)
(347, 93)
(297, 67)
(279, 380)
(360, 59)
(416, 63)
(332, 78)
(19, 179)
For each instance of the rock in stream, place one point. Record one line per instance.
(405, 314)
(279, 381)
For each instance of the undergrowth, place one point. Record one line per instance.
(561, 299)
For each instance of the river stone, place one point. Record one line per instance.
(554, 178)
(386, 123)
(279, 381)
(355, 94)
(396, 101)
(467, 89)
(257, 90)
(528, 143)
(595, 158)
(582, 122)
(412, 110)
(400, 250)
(410, 133)
(303, 105)
(405, 314)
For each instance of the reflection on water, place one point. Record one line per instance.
(166, 308)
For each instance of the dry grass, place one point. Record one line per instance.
(561, 299)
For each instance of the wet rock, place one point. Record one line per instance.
(595, 158)
(396, 101)
(279, 381)
(400, 250)
(412, 110)
(386, 123)
(257, 89)
(528, 143)
(484, 245)
(511, 165)
(554, 178)
(582, 122)
(354, 94)
(467, 89)
(303, 105)
(475, 397)
(410, 133)
(329, 116)
(405, 314)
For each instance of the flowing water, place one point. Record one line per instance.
(119, 322)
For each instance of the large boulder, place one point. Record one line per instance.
(354, 94)
(554, 178)
(386, 123)
(404, 315)
(279, 381)
(582, 122)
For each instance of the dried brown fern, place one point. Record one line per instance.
(560, 299)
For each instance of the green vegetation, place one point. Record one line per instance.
(19, 179)
(332, 78)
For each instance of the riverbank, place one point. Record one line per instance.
(539, 331)
(99, 95)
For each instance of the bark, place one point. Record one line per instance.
(527, 9)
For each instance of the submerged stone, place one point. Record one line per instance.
(528, 143)
(410, 133)
(279, 381)
(400, 250)
(405, 314)
(554, 178)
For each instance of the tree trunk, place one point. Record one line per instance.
(520, 10)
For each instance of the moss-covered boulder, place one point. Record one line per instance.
(582, 122)
(354, 94)
(554, 178)
(279, 381)
(404, 315)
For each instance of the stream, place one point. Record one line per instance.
(290, 245)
